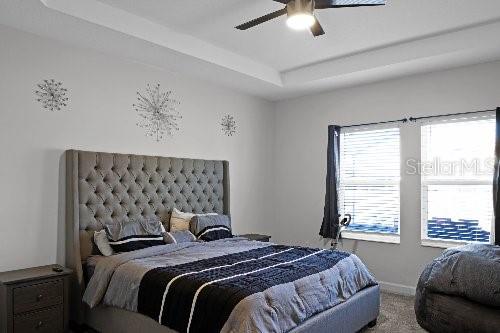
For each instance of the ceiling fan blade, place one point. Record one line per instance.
(317, 29)
(282, 1)
(323, 4)
(262, 19)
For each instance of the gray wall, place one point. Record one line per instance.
(100, 117)
(277, 158)
(300, 155)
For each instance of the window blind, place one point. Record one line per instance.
(370, 179)
(456, 174)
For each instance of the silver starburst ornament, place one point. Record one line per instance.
(158, 112)
(228, 125)
(52, 95)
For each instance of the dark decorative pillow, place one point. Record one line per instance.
(182, 236)
(135, 235)
(211, 227)
(214, 233)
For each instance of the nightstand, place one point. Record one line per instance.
(34, 300)
(257, 237)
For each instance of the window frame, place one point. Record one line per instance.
(393, 238)
(425, 183)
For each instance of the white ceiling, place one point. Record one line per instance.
(198, 37)
(347, 30)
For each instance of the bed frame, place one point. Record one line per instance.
(104, 188)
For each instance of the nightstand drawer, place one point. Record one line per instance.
(37, 296)
(44, 321)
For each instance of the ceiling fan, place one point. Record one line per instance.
(301, 13)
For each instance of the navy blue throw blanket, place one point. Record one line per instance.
(200, 296)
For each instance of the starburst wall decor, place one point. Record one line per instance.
(52, 95)
(158, 110)
(228, 125)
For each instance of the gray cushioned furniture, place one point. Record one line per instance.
(442, 313)
(438, 312)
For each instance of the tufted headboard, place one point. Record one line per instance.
(105, 188)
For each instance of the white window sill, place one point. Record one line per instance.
(372, 237)
(441, 243)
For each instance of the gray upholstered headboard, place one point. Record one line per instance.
(105, 188)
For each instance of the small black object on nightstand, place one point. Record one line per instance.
(34, 300)
(257, 237)
(58, 269)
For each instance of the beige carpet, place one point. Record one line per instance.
(396, 315)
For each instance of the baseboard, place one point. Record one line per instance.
(397, 288)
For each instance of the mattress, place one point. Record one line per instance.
(228, 285)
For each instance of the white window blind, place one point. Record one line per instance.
(370, 179)
(457, 174)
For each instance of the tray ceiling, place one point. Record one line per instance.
(348, 30)
(271, 61)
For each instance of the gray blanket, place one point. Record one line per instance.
(471, 271)
(116, 281)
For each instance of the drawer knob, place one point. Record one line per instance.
(39, 325)
(39, 297)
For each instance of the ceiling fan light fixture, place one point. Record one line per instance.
(300, 21)
(300, 14)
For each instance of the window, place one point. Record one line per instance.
(457, 173)
(370, 181)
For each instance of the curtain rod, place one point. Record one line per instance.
(413, 119)
(449, 114)
(378, 123)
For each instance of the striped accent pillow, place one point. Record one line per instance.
(214, 233)
(211, 227)
(135, 242)
(126, 236)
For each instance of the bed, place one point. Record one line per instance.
(253, 286)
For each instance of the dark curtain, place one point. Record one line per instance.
(330, 225)
(496, 181)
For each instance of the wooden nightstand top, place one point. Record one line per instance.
(257, 237)
(31, 274)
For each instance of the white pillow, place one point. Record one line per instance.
(178, 213)
(179, 221)
(182, 215)
(101, 240)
